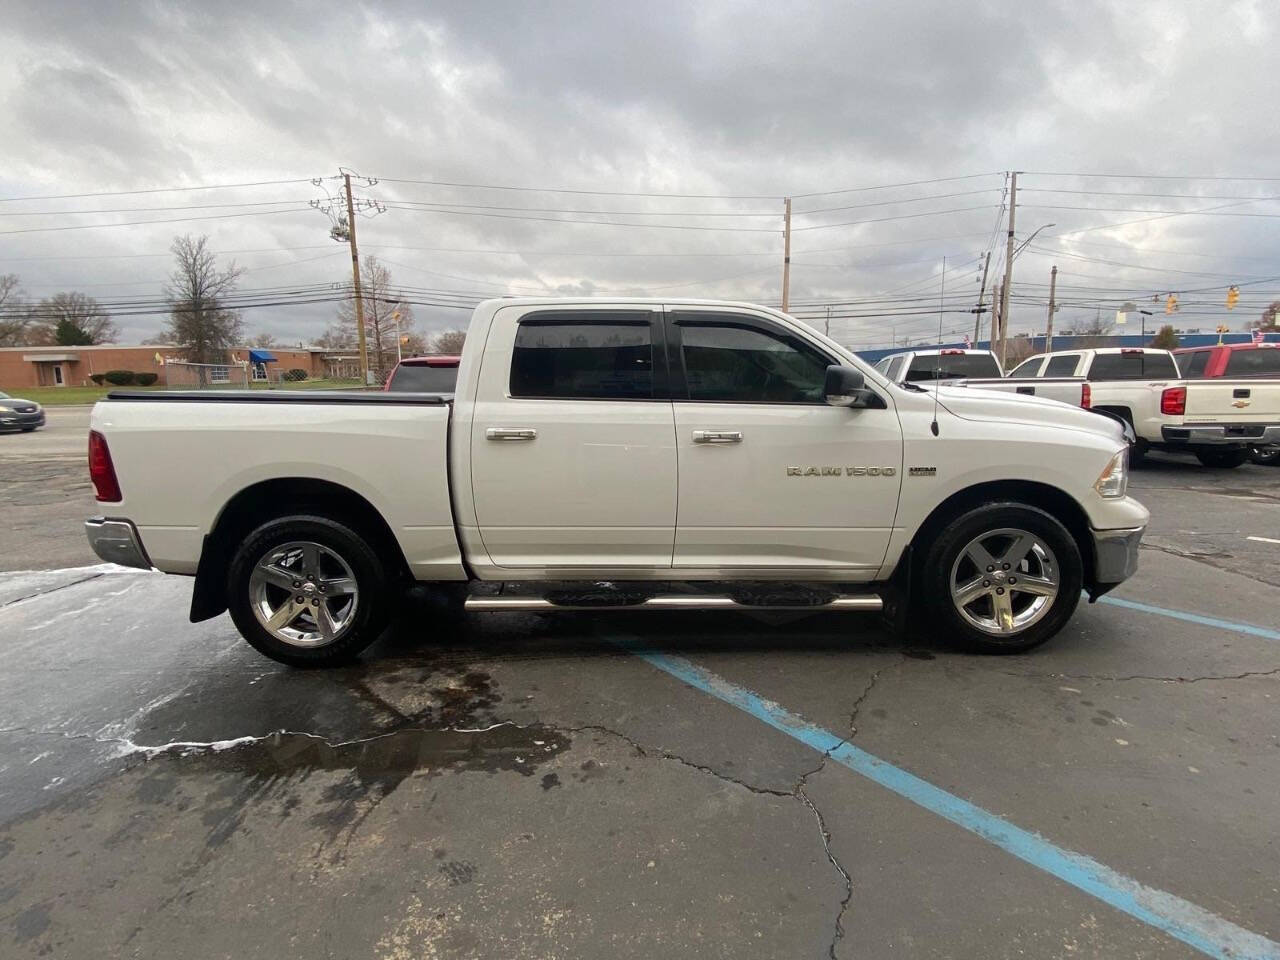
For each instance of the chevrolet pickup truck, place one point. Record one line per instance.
(633, 454)
(1244, 361)
(1217, 421)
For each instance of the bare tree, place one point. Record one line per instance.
(1270, 319)
(449, 342)
(199, 320)
(15, 313)
(264, 341)
(72, 319)
(386, 316)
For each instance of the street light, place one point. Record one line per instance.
(1006, 295)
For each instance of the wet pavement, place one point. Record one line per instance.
(533, 786)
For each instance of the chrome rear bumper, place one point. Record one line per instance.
(1230, 434)
(116, 541)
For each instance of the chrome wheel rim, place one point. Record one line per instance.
(1004, 581)
(303, 594)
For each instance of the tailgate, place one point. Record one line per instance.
(1233, 401)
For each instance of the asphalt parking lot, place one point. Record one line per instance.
(579, 785)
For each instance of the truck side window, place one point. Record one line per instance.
(564, 357)
(1026, 369)
(728, 363)
(1193, 364)
(1261, 362)
(1063, 366)
(895, 369)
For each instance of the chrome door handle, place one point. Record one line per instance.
(717, 436)
(503, 433)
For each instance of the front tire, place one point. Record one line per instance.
(307, 591)
(1228, 459)
(1003, 577)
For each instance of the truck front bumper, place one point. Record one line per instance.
(1115, 558)
(116, 541)
(1222, 434)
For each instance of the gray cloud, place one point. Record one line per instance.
(662, 97)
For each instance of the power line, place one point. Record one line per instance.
(1148, 176)
(392, 205)
(904, 216)
(889, 186)
(1128, 193)
(125, 193)
(134, 223)
(585, 193)
(195, 206)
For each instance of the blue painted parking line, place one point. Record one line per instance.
(1193, 925)
(1204, 621)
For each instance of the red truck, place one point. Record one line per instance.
(1235, 360)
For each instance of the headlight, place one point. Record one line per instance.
(1114, 479)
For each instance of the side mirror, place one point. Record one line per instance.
(846, 387)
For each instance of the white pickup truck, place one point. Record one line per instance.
(1217, 420)
(977, 369)
(646, 455)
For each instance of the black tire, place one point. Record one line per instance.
(372, 600)
(1138, 453)
(942, 555)
(28, 429)
(1265, 456)
(1227, 459)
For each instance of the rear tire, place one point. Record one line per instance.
(1227, 459)
(1266, 456)
(308, 591)
(1002, 578)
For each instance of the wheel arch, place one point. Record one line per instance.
(279, 497)
(1052, 500)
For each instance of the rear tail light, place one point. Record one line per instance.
(1086, 396)
(1173, 401)
(102, 471)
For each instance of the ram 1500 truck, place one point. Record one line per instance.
(1217, 421)
(645, 455)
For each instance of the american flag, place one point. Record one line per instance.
(968, 343)
(1258, 336)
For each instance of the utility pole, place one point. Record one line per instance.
(982, 290)
(997, 320)
(786, 255)
(1008, 271)
(355, 279)
(826, 327)
(1048, 330)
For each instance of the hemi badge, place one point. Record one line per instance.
(922, 471)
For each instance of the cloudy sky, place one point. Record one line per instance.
(652, 144)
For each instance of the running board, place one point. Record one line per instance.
(866, 603)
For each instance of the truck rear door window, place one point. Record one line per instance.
(1064, 366)
(954, 366)
(1132, 366)
(730, 363)
(423, 378)
(1261, 362)
(574, 358)
(1192, 364)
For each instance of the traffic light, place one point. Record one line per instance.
(1233, 297)
(1222, 328)
(1171, 305)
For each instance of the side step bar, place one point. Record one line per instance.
(867, 603)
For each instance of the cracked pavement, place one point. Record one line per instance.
(522, 786)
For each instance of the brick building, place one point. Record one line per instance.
(73, 366)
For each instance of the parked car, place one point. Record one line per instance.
(435, 374)
(18, 414)
(594, 453)
(1237, 360)
(1218, 422)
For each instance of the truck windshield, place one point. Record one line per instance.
(1260, 362)
(952, 366)
(1132, 366)
(420, 378)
